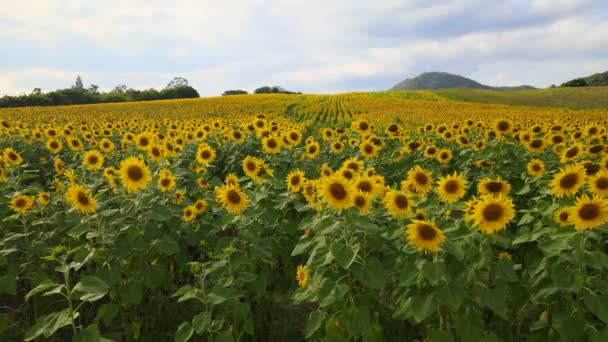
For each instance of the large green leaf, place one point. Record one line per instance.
(371, 273)
(344, 254)
(315, 319)
(92, 288)
(184, 332)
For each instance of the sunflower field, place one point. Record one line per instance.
(353, 217)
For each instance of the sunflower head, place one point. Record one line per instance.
(492, 214)
(92, 160)
(21, 203)
(424, 236)
(451, 188)
(588, 213)
(536, 167)
(295, 180)
(232, 198)
(397, 203)
(301, 276)
(568, 181)
(134, 174)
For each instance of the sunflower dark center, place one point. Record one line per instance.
(392, 128)
(143, 141)
(347, 174)
(494, 187)
(233, 197)
(360, 201)
(54, 144)
(536, 143)
(271, 143)
(536, 167)
(557, 139)
(503, 126)
(568, 181)
(83, 198)
(563, 216)
(12, 156)
(426, 232)
(401, 201)
(492, 212)
(365, 186)
(251, 166)
(363, 126)
(421, 178)
(451, 186)
(602, 183)
(431, 150)
(165, 182)
(20, 203)
(589, 211)
(571, 153)
(295, 180)
(312, 149)
(294, 136)
(338, 145)
(135, 173)
(368, 148)
(205, 154)
(337, 191)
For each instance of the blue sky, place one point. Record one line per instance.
(303, 45)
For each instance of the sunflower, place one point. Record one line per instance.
(562, 216)
(536, 145)
(491, 214)
(189, 213)
(166, 180)
(421, 214)
(43, 198)
(493, 187)
(337, 147)
(451, 188)
(81, 198)
(180, 196)
(295, 179)
(588, 213)
(134, 174)
(271, 144)
(571, 153)
(424, 236)
(156, 153)
(367, 185)
(11, 156)
(504, 255)
(144, 141)
(251, 166)
(92, 160)
(568, 181)
(362, 200)
(325, 170)
(397, 203)
(420, 179)
(503, 126)
(54, 145)
(21, 203)
(430, 152)
(368, 149)
(301, 276)
(75, 144)
(444, 156)
(232, 179)
(202, 182)
(205, 154)
(598, 183)
(312, 150)
(336, 191)
(200, 206)
(106, 145)
(536, 167)
(232, 198)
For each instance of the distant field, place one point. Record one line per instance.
(578, 98)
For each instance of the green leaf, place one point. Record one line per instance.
(469, 325)
(598, 305)
(302, 246)
(184, 332)
(132, 292)
(92, 288)
(371, 273)
(107, 313)
(505, 270)
(47, 325)
(201, 322)
(8, 284)
(569, 326)
(335, 294)
(356, 320)
(154, 277)
(344, 254)
(90, 334)
(439, 336)
(315, 319)
(495, 300)
(451, 295)
(433, 271)
(422, 307)
(42, 287)
(167, 245)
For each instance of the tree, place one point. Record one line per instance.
(234, 92)
(579, 82)
(78, 84)
(177, 82)
(120, 89)
(94, 88)
(37, 91)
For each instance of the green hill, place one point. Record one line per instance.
(595, 80)
(444, 80)
(576, 98)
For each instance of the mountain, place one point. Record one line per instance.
(595, 80)
(444, 80)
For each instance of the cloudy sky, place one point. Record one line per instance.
(303, 45)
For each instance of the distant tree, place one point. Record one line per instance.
(177, 82)
(579, 82)
(78, 84)
(37, 91)
(553, 86)
(234, 92)
(120, 89)
(93, 88)
(263, 90)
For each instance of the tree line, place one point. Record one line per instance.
(177, 88)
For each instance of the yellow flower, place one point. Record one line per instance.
(295, 180)
(81, 199)
(232, 198)
(451, 188)
(568, 181)
(493, 187)
(200, 206)
(420, 179)
(337, 192)
(11, 156)
(397, 203)
(588, 213)
(301, 276)
(598, 183)
(54, 145)
(251, 166)
(43, 198)
(134, 174)
(424, 236)
(562, 216)
(166, 180)
(536, 167)
(493, 213)
(21, 203)
(189, 213)
(92, 160)
(363, 201)
(205, 154)
(271, 144)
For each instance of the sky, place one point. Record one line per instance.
(312, 46)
